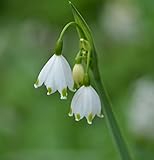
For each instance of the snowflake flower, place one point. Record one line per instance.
(86, 103)
(56, 75)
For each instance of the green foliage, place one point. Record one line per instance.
(36, 126)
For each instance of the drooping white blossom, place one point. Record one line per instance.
(85, 103)
(56, 75)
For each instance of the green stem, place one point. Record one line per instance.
(109, 115)
(87, 48)
(78, 58)
(88, 61)
(67, 26)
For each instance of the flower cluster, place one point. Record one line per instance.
(57, 75)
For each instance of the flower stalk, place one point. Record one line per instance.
(108, 113)
(56, 75)
(73, 23)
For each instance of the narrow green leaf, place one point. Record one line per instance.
(109, 115)
(82, 23)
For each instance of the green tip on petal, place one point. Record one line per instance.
(49, 91)
(77, 117)
(64, 92)
(63, 97)
(90, 118)
(100, 116)
(36, 83)
(70, 113)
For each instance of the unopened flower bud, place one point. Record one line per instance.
(78, 74)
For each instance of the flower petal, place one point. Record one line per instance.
(50, 80)
(85, 103)
(96, 103)
(75, 97)
(60, 77)
(68, 73)
(44, 72)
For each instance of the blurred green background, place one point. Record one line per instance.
(34, 126)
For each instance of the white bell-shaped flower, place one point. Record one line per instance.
(86, 103)
(56, 75)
